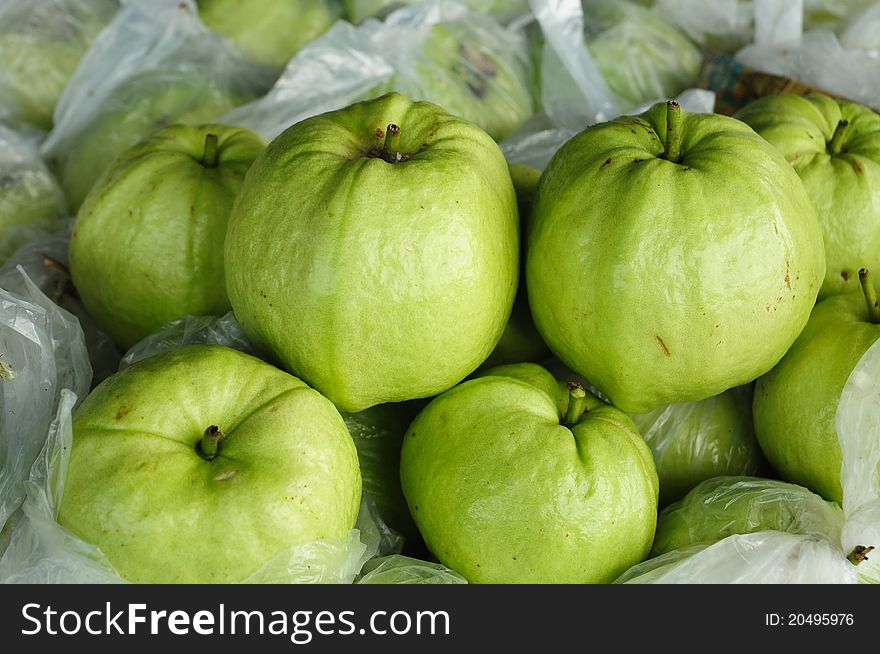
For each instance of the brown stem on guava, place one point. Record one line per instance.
(835, 145)
(870, 296)
(392, 144)
(673, 132)
(211, 156)
(859, 554)
(209, 446)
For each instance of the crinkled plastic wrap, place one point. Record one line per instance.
(862, 32)
(155, 64)
(695, 441)
(44, 259)
(735, 530)
(436, 51)
(503, 10)
(41, 42)
(399, 569)
(42, 352)
(29, 195)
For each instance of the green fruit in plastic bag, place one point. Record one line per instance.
(695, 441)
(202, 464)
(472, 71)
(672, 256)
(642, 56)
(724, 506)
(272, 33)
(795, 404)
(513, 477)
(135, 110)
(41, 44)
(378, 264)
(835, 148)
(358, 10)
(147, 246)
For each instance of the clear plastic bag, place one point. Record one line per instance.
(357, 11)
(155, 64)
(41, 42)
(42, 352)
(31, 202)
(735, 530)
(862, 32)
(435, 51)
(398, 569)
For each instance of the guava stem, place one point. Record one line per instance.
(392, 143)
(859, 554)
(209, 446)
(673, 131)
(211, 155)
(836, 143)
(870, 295)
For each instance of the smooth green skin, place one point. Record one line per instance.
(724, 506)
(642, 56)
(521, 341)
(378, 434)
(358, 10)
(376, 282)
(695, 441)
(273, 32)
(665, 282)
(286, 472)
(795, 404)
(40, 49)
(844, 186)
(134, 111)
(503, 493)
(147, 245)
(472, 80)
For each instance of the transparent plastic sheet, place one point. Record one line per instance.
(398, 569)
(812, 541)
(41, 42)
(695, 441)
(154, 64)
(44, 259)
(718, 25)
(42, 352)
(862, 32)
(30, 198)
(357, 11)
(831, 14)
(436, 51)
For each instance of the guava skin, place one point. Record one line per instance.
(671, 281)
(331, 248)
(695, 441)
(795, 404)
(286, 471)
(843, 182)
(727, 505)
(147, 245)
(273, 33)
(503, 493)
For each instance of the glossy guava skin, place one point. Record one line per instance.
(695, 441)
(843, 182)
(136, 486)
(503, 493)
(374, 281)
(795, 404)
(275, 31)
(664, 282)
(727, 505)
(147, 245)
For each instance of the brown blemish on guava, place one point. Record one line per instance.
(273, 408)
(663, 347)
(122, 412)
(606, 164)
(788, 274)
(858, 167)
(844, 275)
(380, 133)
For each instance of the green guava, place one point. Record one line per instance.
(374, 251)
(201, 464)
(835, 148)
(515, 477)
(147, 245)
(672, 256)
